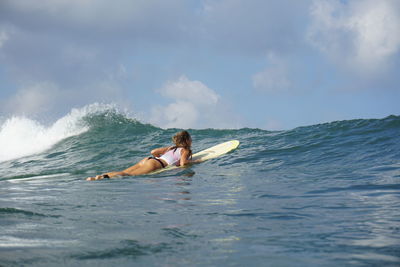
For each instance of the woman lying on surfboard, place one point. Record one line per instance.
(179, 155)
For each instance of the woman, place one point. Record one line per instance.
(162, 157)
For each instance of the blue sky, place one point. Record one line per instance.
(198, 64)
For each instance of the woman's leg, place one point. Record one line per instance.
(144, 166)
(114, 174)
(136, 166)
(127, 171)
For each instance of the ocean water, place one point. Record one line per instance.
(320, 195)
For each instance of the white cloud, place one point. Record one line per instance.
(75, 42)
(253, 27)
(274, 78)
(50, 99)
(378, 30)
(80, 47)
(3, 37)
(194, 105)
(148, 18)
(33, 100)
(274, 125)
(192, 91)
(179, 114)
(362, 35)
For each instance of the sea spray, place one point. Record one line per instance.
(21, 136)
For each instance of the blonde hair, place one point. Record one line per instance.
(182, 139)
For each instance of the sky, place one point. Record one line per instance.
(268, 64)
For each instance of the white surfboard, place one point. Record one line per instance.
(209, 153)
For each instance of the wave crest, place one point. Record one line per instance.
(21, 136)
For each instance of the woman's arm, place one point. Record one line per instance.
(159, 151)
(185, 154)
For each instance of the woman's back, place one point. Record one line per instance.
(172, 156)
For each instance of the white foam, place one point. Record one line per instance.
(21, 136)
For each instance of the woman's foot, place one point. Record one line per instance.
(98, 177)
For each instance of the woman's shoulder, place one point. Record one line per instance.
(185, 151)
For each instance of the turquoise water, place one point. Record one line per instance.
(321, 195)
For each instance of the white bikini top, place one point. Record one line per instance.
(172, 156)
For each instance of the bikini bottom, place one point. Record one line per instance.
(159, 160)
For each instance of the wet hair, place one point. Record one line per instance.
(182, 139)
